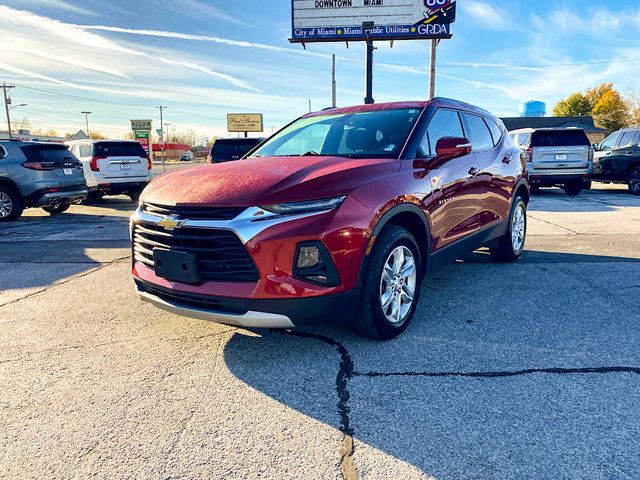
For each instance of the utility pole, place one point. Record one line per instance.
(7, 102)
(432, 72)
(309, 105)
(164, 167)
(86, 118)
(333, 81)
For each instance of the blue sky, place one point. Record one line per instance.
(204, 59)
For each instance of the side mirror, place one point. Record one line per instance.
(596, 147)
(452, 147)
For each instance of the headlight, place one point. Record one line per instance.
(307, 206)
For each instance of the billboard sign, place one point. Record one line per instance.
(244, 122)
(353, 20)
(143, 137)
(141, 125)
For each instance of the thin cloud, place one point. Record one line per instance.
(488, 16)
(58, 5)
(208, 71)
(197, 9)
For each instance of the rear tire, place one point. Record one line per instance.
(634, 181)
(93, 197)
(573, 189)
(391, 287)
(134, 195)
(511, 245)
(10, 204)
(63, 207)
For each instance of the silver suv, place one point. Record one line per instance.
(560, 157)
(45, 175)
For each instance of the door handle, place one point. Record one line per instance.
(474, 170)
(507, 159)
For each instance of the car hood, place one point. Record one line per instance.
(264, 181)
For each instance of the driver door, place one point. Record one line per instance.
(453, 204)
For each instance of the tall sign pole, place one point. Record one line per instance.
(7, 101)
(164, 167)
(432, 67)
(334, 100)
(368, 99)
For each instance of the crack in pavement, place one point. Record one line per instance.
(345, 373)
(502, 374)
(554, 224)
(65, 281)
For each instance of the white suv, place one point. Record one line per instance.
(113, 167)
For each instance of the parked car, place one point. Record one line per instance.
(44, 175)
(187, 157)
(113, 167)
(617, 159)
(561, 157)
(228, 149)
(337, 216)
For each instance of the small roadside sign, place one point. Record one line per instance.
(244, 122)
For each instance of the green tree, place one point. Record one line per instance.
(575, 105)
(609, 110)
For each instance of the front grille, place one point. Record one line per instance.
(221, 256)
(236, 306)
(195, 213)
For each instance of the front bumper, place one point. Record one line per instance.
(253, 313)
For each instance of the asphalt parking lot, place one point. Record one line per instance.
(528, 370)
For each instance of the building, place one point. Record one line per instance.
(172, 151)
(595, 134)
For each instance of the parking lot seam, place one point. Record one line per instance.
(502, 374)
(345, 373)
(62, 282)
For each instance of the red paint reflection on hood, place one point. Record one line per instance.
(260, 181)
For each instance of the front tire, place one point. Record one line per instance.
(391, 286)
(10, 205)
(511, 245)
(634, 181)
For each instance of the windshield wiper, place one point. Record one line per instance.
(311, 154)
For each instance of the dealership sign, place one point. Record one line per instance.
(351, 20)
(142, 133)
(244, 122)
(141, 124)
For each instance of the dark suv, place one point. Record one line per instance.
(336, 217)
(45, 175)
(617, 159)
(229, 149)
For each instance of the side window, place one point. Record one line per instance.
(86, 149)
(627, 139)
(610, 142)
(496, 132)
(636, 141)
(480, 134)
(445, 123)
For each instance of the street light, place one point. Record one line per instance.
(86, 117)
(21, 105)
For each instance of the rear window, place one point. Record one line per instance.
(559, 138)
(120, 149)
(47, 153)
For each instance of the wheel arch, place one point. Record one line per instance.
(6, 182)
(522, 189)
(412, 218)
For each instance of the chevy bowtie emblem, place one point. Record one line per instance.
(170, 223)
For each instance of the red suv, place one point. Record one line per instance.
(337, 217)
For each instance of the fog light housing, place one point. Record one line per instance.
(308, 256)
(313, 264)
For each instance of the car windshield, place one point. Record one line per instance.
(377, 134)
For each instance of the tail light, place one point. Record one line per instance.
(39, 165)
(149, 163)
(591, 154)
(93, 164)
(528, 154)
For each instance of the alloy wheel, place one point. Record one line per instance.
(6, 205)
(518, 228)
(398, 284)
